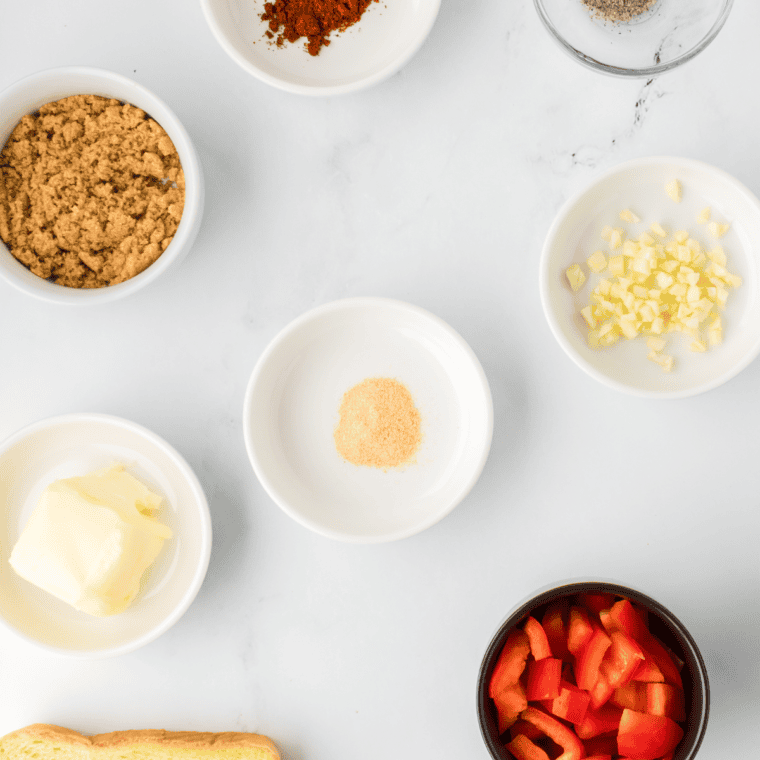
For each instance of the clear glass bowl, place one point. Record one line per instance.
(666, 35)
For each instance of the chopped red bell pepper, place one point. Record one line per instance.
(579, 630)
(544, 678)
(561, 687)
(625, 617)
(621, 659)
(596, 601)
(554, 623)
(558, 732)
(649, 672)
(511, 662)
(589, 658)
(647, 737)
(601, 692)
(539, 643)
(601, 721)
(523, 727)
(664, 699)
(604, 744)
(510, 702)
(571, 704)
(633, 696)
(524, 749)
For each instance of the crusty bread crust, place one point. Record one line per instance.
(92, 746)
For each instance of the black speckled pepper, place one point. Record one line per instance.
(618, 10)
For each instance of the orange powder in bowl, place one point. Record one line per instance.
(379, 424)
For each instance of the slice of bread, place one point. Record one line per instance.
(44, 742)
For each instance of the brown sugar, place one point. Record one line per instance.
(379, 424)
(91, 191)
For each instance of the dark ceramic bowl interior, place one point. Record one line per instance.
(662, 623)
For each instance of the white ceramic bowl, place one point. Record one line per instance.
(291, 411)
(375, 48)
(76, 444)
(575, 235)
(26, 96)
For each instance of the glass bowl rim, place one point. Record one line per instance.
(621, 71)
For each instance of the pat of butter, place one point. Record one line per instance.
(90, 539)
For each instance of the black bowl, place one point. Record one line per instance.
(662, 623)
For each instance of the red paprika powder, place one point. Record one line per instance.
(314, 19)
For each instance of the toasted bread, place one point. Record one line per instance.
(45, 742)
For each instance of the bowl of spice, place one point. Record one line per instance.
(368, 420)
(101, 190)
(320, 47)
(633, 38)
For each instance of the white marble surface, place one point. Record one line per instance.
(437, 188)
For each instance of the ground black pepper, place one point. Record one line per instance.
(618, 10)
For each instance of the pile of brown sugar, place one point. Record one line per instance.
(91, 191)
(379, 424)
(289, 20)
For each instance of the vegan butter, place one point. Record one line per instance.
(90, 539)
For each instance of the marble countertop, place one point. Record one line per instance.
(436, 187)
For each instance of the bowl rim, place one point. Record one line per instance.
(318, 90)
(620, 71)
(194, 193)
(545, 274)
(352, 303)
(554, 591)
(200, 503)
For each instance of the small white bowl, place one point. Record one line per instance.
(291, 411)
(640, 186)
(376, 47)
(77, 444)
(26, 96)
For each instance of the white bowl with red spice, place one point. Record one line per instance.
(29, 94)
(383, 39)
(327, 382)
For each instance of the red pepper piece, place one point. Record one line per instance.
(601, 721)
(511, 663)
(524, 749)
(633, 696)
(649, 672)
(647, 737)
(621, 660)
(510, 702)
(589, 658)
(543, 678)
(558, 732)
(571, 704)
(604, 744)
(664, 699)
(625, 617)
(539, 644)
(554, 623)
(598, 757)
(579, 630)
(523, 727)
(601, 692)
(596, 602)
